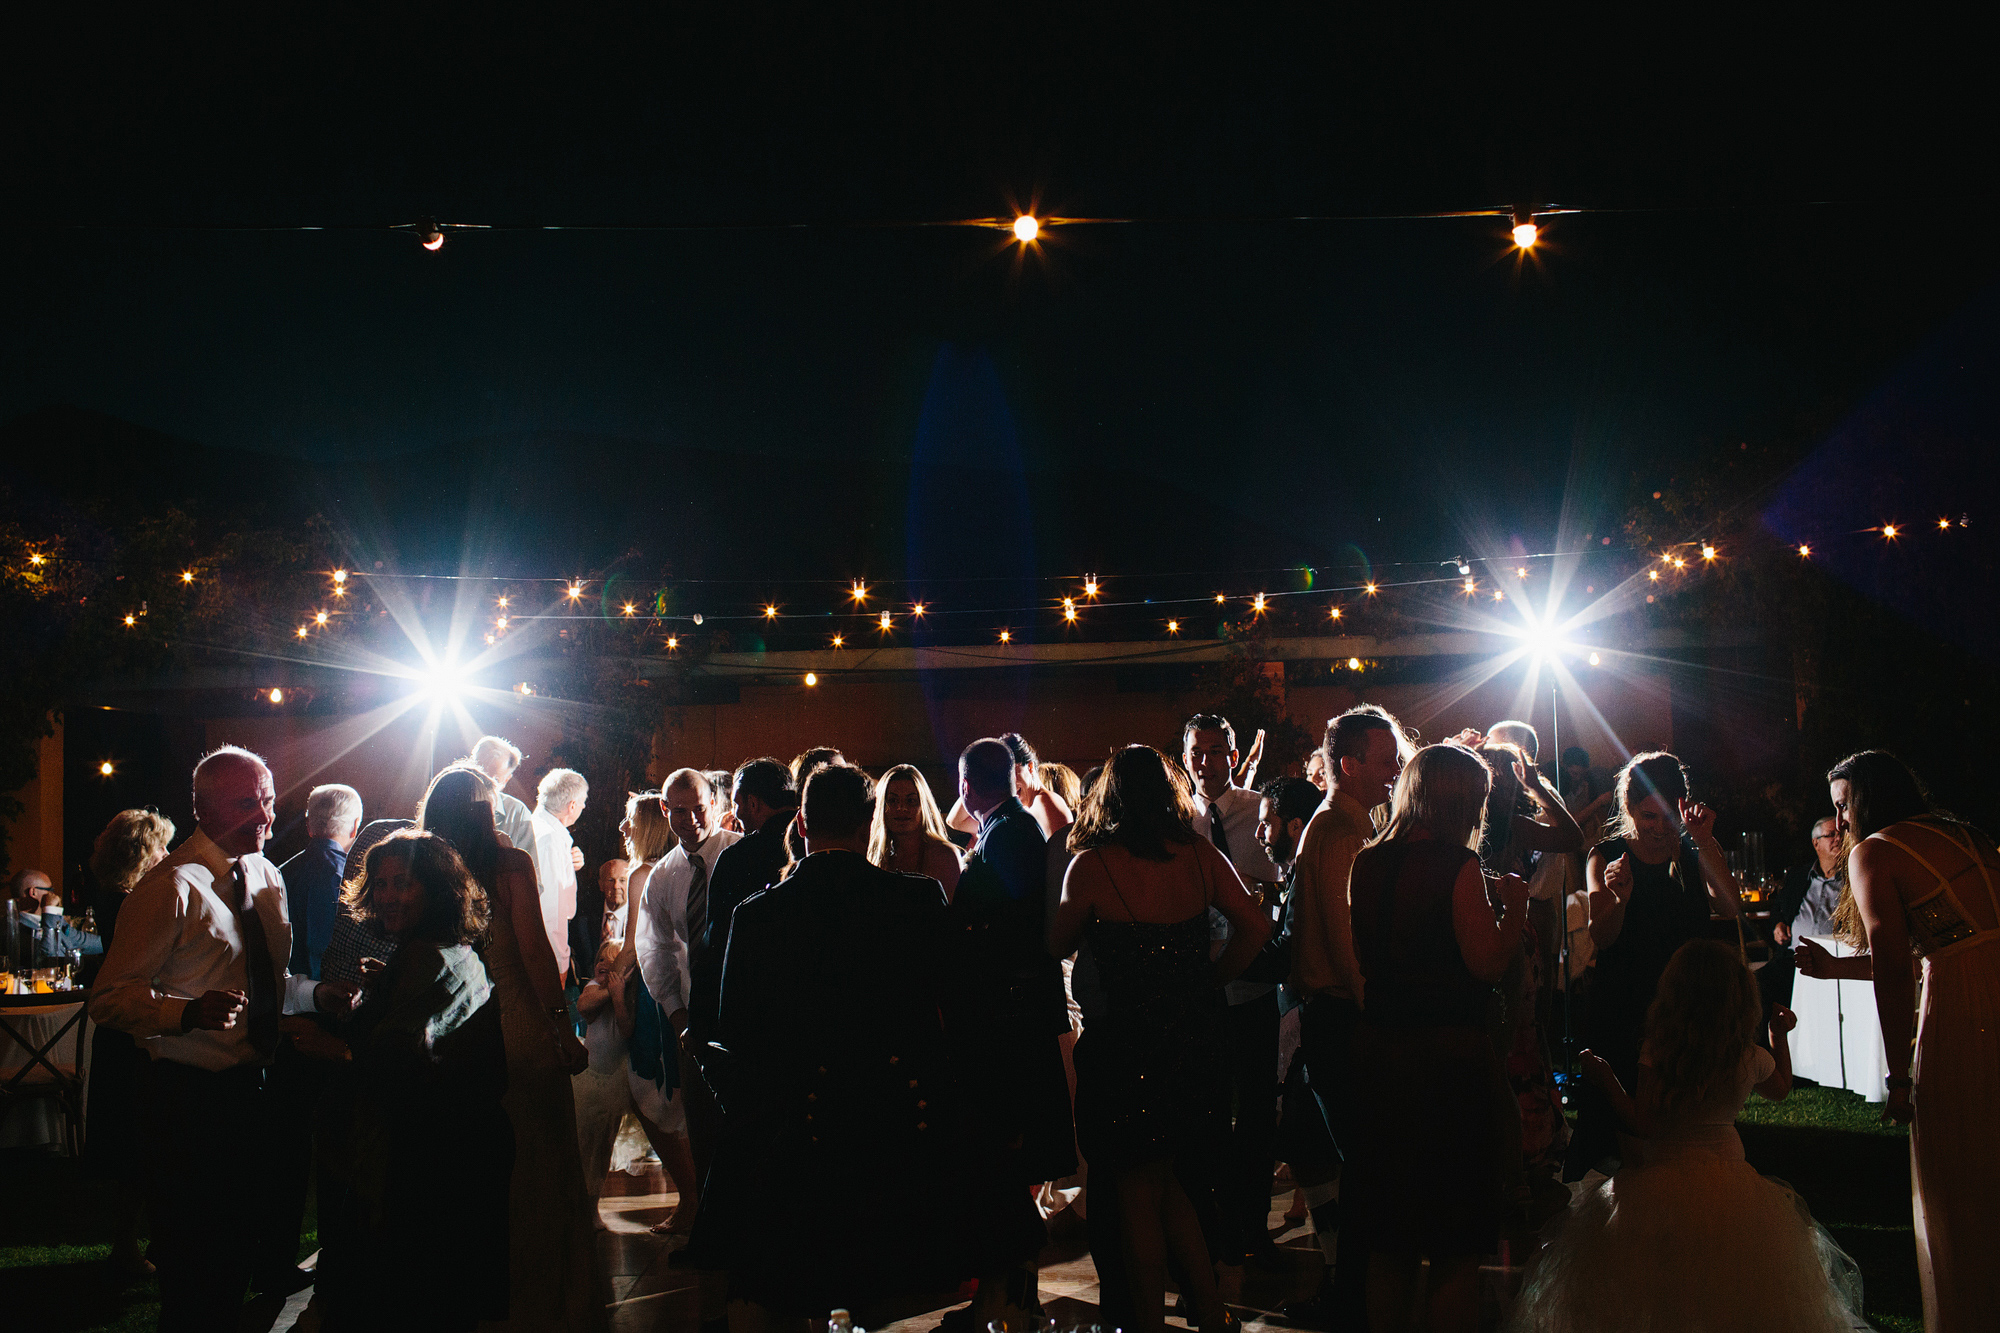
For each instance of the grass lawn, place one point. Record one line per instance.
(1830, 1146)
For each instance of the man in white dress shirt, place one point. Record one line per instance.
(497, 758)
(1227, 815)
(673, 908)
(559, 801)
(198, 973)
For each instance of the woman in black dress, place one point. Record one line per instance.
(130, 845)
(1653, 884)
(1150, 1096)
(430, 1066)
(1436, 1160)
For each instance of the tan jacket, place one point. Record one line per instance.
(1323, 959)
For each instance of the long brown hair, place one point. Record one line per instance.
(1702, 1022)
(456, 909)
(930, 823)
(1141, 803)
(459, 808)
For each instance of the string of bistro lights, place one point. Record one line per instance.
(1476, 578)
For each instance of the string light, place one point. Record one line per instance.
(1889, 531)
(1334, 614)
(839, 641)
(1069, 614)
(489, 640)
(303, 631)
(340, 576)
(1258, 605)
(1653, 574)
(1471, 585)
(525, 689)
(917, 609)
(1499, 596)
(1679, 563)
(430, 235)
(885, 621)
(1708, 553)
(811, 680)
(1463, 567)
(1218, 599)
(1006, 636)
(131, 620)
(1944, 525)
(575, 591)
(860, 593)
(187, 575)
(1526, 233)
(1026, 228)
(319, 618)
(1354, 664)
(501, 603)
(770, 612)
(277, 695)
(629, 609)
(1090, 586)
(339, 591)
(1594, 660)
(673, 642)
(106, 768)
(1173, 627)
(37, 558)
(1370, 589)
(501, 623)
(1522, 571)
(1805, 550)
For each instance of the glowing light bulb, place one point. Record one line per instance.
(673, 642)
(1069, 605)
(1173, 627)
(187, 575)
(1708, 553)
(37, 558)
(302, 631)
(131, 620)
(340, 576)
(885, 620)
(628, 609)
(319, 618)
(839, 641)
(106, 769)
(1218, 599)
(1334, 614)
(811, 680)
(1526, 234)
(1653, 574)
(1499, 596)
(1594, 660)
(339, 591)
(1026, 228)
(1470, 585)
(1006, 636)
(575, 591)
(277, 695)
(1090, 585)
(1680, 563)
(1804, 549)
(489, 639)
(770, 612)
(1371, 590)
(1070, 614)
(1354, 664)
(501, 623)
(1258, 605)
(430, 236)
(1889, 531)
(1944, 525)
(1522, 571)
(860, 593)
(917, 609)
(501, 603)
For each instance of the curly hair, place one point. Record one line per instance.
(456, 909)
(130, 845)
(1702, 1022)
(1142, 803)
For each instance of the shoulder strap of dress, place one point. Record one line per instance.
(1110, 879)
(1914, 855)
(1985, 875)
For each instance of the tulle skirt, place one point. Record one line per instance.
(1695, 1243)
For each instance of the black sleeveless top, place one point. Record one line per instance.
(1405, 940)
(1668, 907)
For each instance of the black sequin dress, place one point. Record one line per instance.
(1149, 1082)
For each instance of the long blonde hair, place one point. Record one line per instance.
(649, 836)
(1702, 1022)
(1441, 791)
(931, 822)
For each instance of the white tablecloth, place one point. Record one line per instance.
(1838, 1042)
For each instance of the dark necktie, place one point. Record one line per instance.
(260, 986)
(697, 914)
(1216, 834)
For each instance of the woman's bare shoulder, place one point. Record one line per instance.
(512, 860)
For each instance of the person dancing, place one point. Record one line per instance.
(553, 1276)
(1923, 882)
(907, 834)
(1150, 1093)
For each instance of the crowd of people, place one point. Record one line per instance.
(873, 1042)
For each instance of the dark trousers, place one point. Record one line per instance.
(293, 1087)
(210, 1190)
(1243, 1189)
(1328, 1031)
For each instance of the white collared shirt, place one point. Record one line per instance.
(555, 882)
(177, 940)
(662, 945)
(1239, 807)
(511, 817)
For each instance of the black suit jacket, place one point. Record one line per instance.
(747, 866)
(1001, 908)
(831, 1000)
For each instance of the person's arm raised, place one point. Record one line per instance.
(1723, 891)
(1610, 887)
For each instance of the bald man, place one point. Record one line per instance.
(198, 973)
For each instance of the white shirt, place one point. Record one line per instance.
(662, 945)
(511, 817)
(555, 882)
(177, 940)
(1239, 807)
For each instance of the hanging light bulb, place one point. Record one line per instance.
(629, 609)
(575, 591)
(319, 618)
(1258, 605)
(430, 235)
(1026, 228)
(673, 642)
(1708, 553)
(1804, 549)
(340, 576)
(839, 641)
(501, 603)
(1334, 614)
(917, 609)
(1218, 599)
(1944, 525)
(811, 680)
(1653, 574)
(1370, 590)
(885, 620)
(302, 629)
(860, 593)
(1090, 586)
(187, 575)
(277, 695)
(1526, 233)
(501, 623)
(1889, 531)
(1522, 571)
(770, 612)
(1595, 660)
(106, 768)
(1006, 636)
(1173, 627)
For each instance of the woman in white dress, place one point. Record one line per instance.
(555, 1283)
(653, 1071)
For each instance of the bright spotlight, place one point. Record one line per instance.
(1543, 639)
(441, 682)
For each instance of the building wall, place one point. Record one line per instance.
(35, 839)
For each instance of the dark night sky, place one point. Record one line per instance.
(1812, 230)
